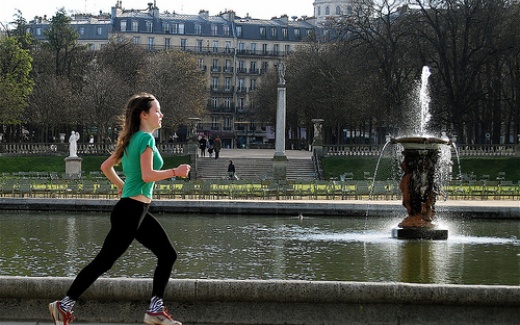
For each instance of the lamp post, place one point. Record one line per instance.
(317, 142)
(193, 145)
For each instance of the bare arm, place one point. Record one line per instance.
(107, 167)
(151, 175)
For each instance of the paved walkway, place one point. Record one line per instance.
(263, 153)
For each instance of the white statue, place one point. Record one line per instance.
(73, 143)
(281, 73)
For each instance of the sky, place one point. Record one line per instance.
(265, 9)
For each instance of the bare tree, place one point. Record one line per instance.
(173, 77)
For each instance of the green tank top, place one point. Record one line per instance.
(131, 161)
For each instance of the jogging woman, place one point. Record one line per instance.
(130, 218)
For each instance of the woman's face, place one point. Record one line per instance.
(154, 116)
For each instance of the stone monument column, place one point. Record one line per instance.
(280, 159)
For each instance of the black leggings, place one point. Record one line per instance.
(129, 220)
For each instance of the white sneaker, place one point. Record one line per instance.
(160, 318)
(60, 316)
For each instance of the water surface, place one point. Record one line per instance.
(269, 247)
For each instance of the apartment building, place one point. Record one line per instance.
(234, 53)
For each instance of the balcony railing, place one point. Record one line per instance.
(491, 150)
(84, 149)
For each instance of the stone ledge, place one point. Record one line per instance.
(270, 302)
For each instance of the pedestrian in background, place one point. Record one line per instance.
(231, 170)
(217, 145)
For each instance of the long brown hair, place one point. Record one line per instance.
(130, 120)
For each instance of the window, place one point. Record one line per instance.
(262, 32)
(181, 29)
(239, 31)
(253, 48)
(327, 11)
(287, 48)
(214, 30)
(215, 46)
(166, 28)
(241, 66)
(214, 83)
(81, 31)
(276, 49)
(253, 68)
(265, 66)
(137, 40)
(214, 104)
(240, 104)
(228, 84)
(285, 33)
(226, 30)
(241, 85)
(319, 11)
(167, 43)
(201, 63)
(227, 120)
(38, 31)
(198, 29)
(99, 31)
(183, 43)
(274, 32)
(150, 43)
(215, 66)
(264, 49)
(199, 45)
(228, 46)
(297, 33)
(214, 120)
(228, 66)
(135, 26)
(253, 84)
(175, 29)
(122, 27)
(149, 27)
(227, 104)
(338, 10)
(241, 48)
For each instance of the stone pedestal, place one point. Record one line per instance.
(73, 166)
(280, 167)
(317, 142)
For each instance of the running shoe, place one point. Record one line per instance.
(60, 316)
(160, 318)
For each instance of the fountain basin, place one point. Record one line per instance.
(420, 233)
(421, 142)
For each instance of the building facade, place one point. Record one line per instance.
(234, 53)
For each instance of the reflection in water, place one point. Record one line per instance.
(262, 247)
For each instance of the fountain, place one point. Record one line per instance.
(420, 183)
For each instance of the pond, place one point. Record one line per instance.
(269, 247)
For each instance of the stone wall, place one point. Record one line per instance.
(268, 302)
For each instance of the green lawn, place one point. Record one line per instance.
(57, 164)
(332, 166)
(335, 166)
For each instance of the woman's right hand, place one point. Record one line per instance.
(182, 171)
